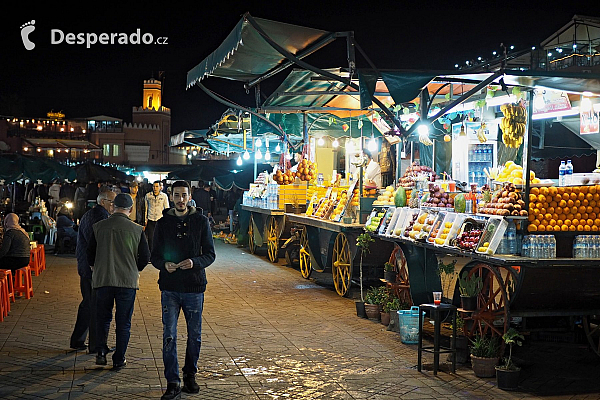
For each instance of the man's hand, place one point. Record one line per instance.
(186, 264)
(171, 267)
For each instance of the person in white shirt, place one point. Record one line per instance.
(156, 202)
(373, 171)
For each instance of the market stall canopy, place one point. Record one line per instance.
(197, 173)
(91, 172)
(66, 144)
(245, 55)
(14, 167)
(406, 86)
(240, 179)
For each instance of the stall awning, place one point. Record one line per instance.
(245, 55)
(62, 144)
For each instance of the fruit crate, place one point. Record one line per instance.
(468, 225)
(492, 235)
(423, 225)
(386, 220)
(444, 233)
(411, 218)
(295, 193)
(436, 227)
(399, 212)
(374, 219)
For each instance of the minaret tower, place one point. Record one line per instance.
(152, 95)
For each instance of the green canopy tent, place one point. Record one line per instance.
(197, 173)
(240, 179)
(15, 167)
(91, 172)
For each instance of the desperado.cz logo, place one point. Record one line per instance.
(89, 39)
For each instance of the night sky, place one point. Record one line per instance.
(108, 79)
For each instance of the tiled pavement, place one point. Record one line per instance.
(267, 334)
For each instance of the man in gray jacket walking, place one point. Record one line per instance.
(122, 253)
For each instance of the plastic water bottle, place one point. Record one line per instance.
(562, 170)
(569, 173)
(552, 247)
(525, 246)
(511, 236)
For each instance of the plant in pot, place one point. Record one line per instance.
(484, 355)
(371, 303)
(389, 272)
(394, 305)
(384, 302)
(447, 274)
(469, 287)
(462, 343)
(363, 241)
(507, 375)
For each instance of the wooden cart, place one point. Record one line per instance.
(266, 228)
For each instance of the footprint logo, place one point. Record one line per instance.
(26, 29)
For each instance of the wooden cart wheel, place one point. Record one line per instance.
(305, 263)
(273, 240)
(491, 317)
(591, 327)
(341, 267)
(251, 243)
(402, 285)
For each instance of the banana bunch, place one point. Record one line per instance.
(481, 133)
(513, 124)
(425, 140)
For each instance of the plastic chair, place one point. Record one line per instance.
(11, 287)
(24, 282)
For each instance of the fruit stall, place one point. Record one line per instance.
(531, 242)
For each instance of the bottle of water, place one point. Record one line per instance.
(511, 236)
(525, 246)
(562, 170)
(552, 247)
(569, 173)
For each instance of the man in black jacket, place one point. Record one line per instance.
(183, 248)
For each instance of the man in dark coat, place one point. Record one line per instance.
(202, 199)
(183, 248)
(86, 319)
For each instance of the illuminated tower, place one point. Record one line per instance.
(152, 95)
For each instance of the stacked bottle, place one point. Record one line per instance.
(539, 246)
(586, 246)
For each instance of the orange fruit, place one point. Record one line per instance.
(552, 190)
(579, 228)
(565, 196)
(536, 211)
(584, 202)
(587, 228)
(594, 228)
(574, 210)
(583, 189)
(561, 190)
(593, 203)
(541, 198)
(581, 209)
(589, 209)
(597, 188)
(564, 228)
(592, 189)
(575, 189)
(558, 210)
(538, 205)
(597, 210)
(562, 216)
(597, 222)
(570, 216)
(584, 216)
(547, 216)
(577, 203)
(554, 216)
(593, 215)
(575, 221)
(572, 228)
(542, 211)
(570, 203)
(597, 196)
(544, 190)
(550, 210)
(557, 228)
(580, 196)
(567, 222)
(534, 190)
(589, 222)
(589, 197)
(552, 222)
(559, 222)
(532, 228)
(532, 198)
(573, 196)
(553, 204)
(562, 203)
(541, 228)
(536, 222)
(530, 217)
(568, 189)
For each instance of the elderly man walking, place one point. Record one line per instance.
(86, 313)
(117, 251)
(183, 248)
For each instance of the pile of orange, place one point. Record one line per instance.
(564, 209)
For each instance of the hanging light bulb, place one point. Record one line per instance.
(372, 146)
(321, 141)
(335, 143)
(349, 145)
(239, 160)
(267, 155)
(194, 153)
(258, 154)
(258, 142)
(278, 148)
(288, 156)
(246, 155)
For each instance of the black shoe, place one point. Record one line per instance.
(78, 346)
(173, 392)
(189, 384)
(101, 359)
(119, 365)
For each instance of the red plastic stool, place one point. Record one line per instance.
(11, 289)
(24, 282)
(42, 253)
(4, 296)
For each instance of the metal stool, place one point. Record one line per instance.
(436, 349)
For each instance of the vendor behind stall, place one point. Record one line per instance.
(372, 171)
(14, 253)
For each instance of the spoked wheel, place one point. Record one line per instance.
(251, 243)
(341, 267)
(402, 284)
(273, 240)
(305, 263)
(591, 327)
(491, 317)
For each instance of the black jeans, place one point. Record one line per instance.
(150, 232)
(124, 299)
(86, 316)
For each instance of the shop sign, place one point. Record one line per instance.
(553, 102)
(588, 122)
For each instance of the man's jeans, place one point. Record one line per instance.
(191, 304)
(124, 298)
(86, 316)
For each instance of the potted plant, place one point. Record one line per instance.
(384, 300)
(363, 242)
(371, 303)
(507, 375)
(462, 343)
(469, 289)
(395, 304)
(484, 356)
(447, 274)
(389, 272)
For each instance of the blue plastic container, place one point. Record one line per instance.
(409, 325)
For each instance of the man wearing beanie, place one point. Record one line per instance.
(183, 248)
(117, 251)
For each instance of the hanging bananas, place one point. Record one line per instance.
(481, 133)
(513, 124)
(424, 138)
